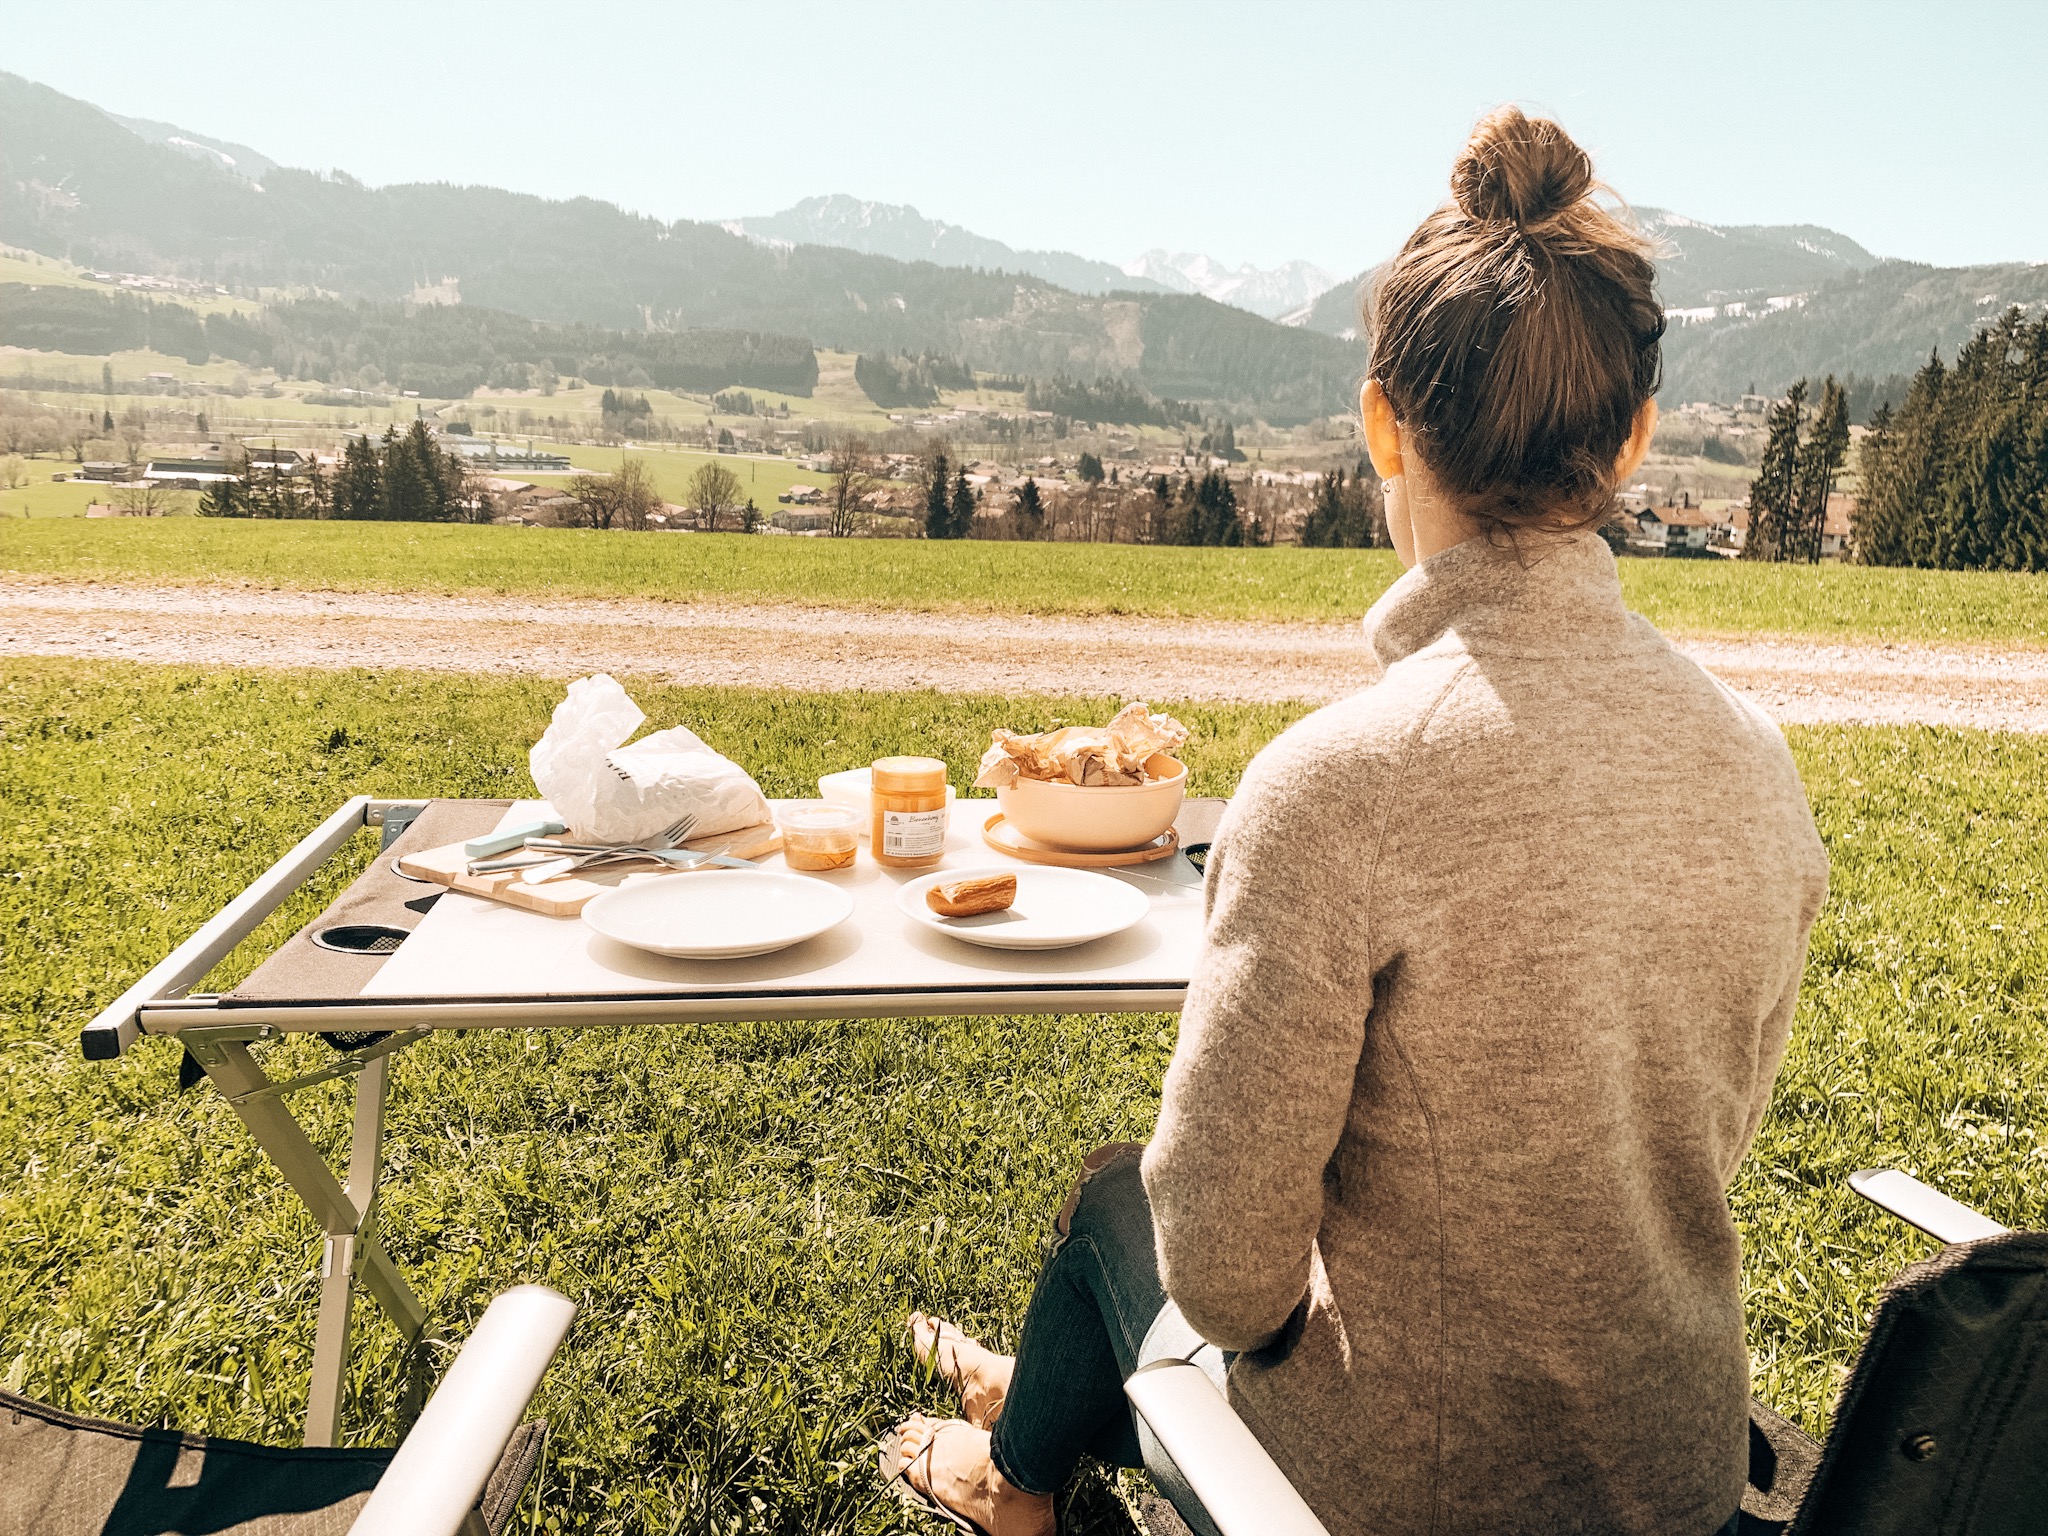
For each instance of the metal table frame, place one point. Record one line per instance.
(219, 1038)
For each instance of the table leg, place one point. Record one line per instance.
(345, 1212)
(330, 1342)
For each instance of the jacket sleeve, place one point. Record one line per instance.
(1262, 1074)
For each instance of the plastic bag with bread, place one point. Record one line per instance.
(1083, 754)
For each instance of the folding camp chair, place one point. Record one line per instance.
(461, 1469)
(1942, 1428)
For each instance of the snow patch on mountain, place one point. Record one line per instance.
(1273, 291)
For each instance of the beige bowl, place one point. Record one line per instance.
(1097, 818)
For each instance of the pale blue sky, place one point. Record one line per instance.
(1253, 131)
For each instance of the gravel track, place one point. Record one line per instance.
(776, 646)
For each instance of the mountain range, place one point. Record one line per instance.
(1272, 292)
(899, 231)
(1700, 267)
(1751, 306)
(76, 184)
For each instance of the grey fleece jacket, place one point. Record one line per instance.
(1500, 960)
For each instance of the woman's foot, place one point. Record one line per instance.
(947, 1461)
(978, 1374)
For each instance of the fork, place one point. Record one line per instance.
(571, 856)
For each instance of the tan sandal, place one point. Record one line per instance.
(895, 1472)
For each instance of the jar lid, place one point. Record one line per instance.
(816, 816)
(909, 776)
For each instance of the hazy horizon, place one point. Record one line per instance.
(1290, 132)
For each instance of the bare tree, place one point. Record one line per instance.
(715, 490)
(148, 498)
(856, 469)
(624, 499)
(471, 498)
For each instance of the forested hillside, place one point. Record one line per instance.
(76, 184)
(432, 349)
(1881, 322)
(1854, 316)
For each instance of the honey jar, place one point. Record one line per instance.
(907, 812)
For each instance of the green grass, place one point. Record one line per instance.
(744, 1211)
(44, 497)
(1684, 596)
(764, 479)
(19, 266)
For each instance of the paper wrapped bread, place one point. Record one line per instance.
(1083, 754)
(611, 793)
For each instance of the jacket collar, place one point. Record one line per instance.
(1553, 596)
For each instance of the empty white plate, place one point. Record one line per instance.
(718, 914)
(1054, 907)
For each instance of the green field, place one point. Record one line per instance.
(44, 497)
(19, 266)
(1696, 597)
(745, 1211)
(764, 479)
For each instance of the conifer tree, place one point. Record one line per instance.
(404, 485)
(1875, 525)
(225, 498)
(1325, 513)
(1820, 460)
(1771, 492)
(960, 523)
(436, 481)
(1921, 455)
(359, 482)
(938, 512)
(1030, 510)
(1212, 513)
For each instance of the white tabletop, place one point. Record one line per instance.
(876, 961)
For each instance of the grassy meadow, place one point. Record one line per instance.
(43, 497)
(1697, 597)
(744, 1211)
(760, 477)
(251, 401)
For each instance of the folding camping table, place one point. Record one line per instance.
(424, 960)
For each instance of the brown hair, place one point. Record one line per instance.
(1516, 333)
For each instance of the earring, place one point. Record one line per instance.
(1393, 490)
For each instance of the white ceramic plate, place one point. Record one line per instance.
(1054, 908)
(718, 914)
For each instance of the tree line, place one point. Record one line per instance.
(903, 380)
(402, 477)
(446, 351)
(1957, 477)
(1346, 512)
(1788, 499)
(1110, 401)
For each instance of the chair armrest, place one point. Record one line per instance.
(439, 1472)
(1921, 1206)
(1229, 1471)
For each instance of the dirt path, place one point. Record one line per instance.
(771, 646)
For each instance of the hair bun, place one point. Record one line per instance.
(1520, 170)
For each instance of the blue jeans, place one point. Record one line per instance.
(1098, 1313)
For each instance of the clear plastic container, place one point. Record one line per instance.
(818, 836)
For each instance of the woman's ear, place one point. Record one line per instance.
(1382, 431)
(1637, 448)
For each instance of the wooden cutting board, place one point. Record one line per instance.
(565, 895)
